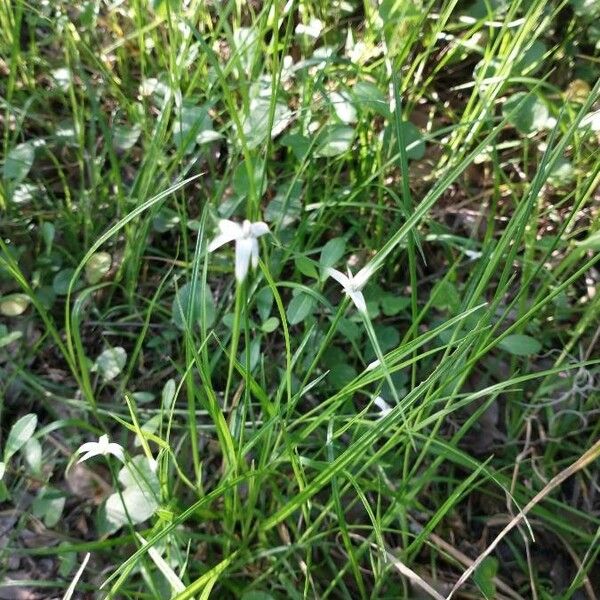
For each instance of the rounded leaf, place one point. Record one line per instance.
(332, 251)
(111, 362)
(299, 308)
(14, 305)
(18, 162)
(19, 434)
(520, 345)
(526, 112)
(97, 267)
(335, 140)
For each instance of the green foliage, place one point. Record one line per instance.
(278, 442)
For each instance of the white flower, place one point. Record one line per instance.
(313, 29)
(101, 447)
(383, 406)
(246, 243)
(372, 366)
(353, 284)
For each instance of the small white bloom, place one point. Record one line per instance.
(353, 284)
(383, 406)
(372, 366)
(101, 447)
(472, 254)
(313, 29)
(246, 243)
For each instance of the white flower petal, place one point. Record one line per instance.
(229, 231)
(359, 301)
(243, 251)
(342, 279)
(89, 454)
(117, 451)
(230, 228)
(259, 228)
(382, 404)
(373, 365)
(87, 447)
(219, 241)
(102, 447)
(361, 278)
(254, 253)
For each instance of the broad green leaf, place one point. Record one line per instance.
(241, 180)
(445, 295)
(387, 336)
(67, 560)
(245, 41)
(97, 267)
(531, 59)
(150, 426)
(49, 506)
(520, 345)
(7, 338)
(332, 251)
(367, 96)
(139, 474)
(298, 143)
(124, 137)
(562, 173)
(14, 305)
(256, 124)
(335, 140)
(270, 325)
(139, 503)
(299, 308)
(343, 107)
(592, 242)
(140, 493)
(306, 267)
(532, 115)
(413, 140)
(18, 435)
(392, 305)
(285, 208)
(33, 454)
(484, 577)
(48, 232)
(264, 302)
(181, 306)
(168, 394)
(111, 362)
(18, 162)
(192, 125)
(350, 329)
(340, 375)
(143, 397)
(61, 281)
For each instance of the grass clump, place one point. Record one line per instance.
(186, 419)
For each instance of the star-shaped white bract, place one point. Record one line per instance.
(353, 285)
(383, 406)
(101, 448)
(246, 243)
